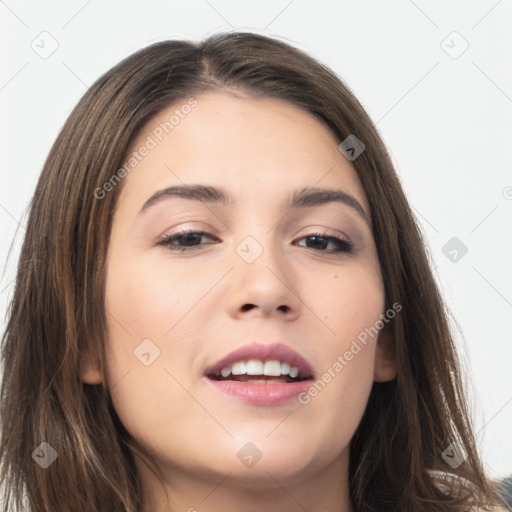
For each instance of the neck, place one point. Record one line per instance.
(186, 490)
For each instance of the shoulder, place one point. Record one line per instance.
(450, 483)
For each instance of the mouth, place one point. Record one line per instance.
(258, 372)
(261, 374)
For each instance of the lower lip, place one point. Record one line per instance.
(275, 393)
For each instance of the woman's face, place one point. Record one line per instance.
(265, 277)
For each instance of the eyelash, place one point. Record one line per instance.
(344, 246)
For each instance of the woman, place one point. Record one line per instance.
(223, 302)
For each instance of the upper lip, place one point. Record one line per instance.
(263, 352)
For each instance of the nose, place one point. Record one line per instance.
(267, 287)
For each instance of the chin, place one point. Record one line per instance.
(285, 458)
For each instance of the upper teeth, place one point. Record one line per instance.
(272, 368)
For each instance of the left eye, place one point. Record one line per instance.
(190, 240)
(341, 245)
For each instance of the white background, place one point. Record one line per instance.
(447, 122)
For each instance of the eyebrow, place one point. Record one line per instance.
(304, 198)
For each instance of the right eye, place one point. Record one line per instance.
(184, 241)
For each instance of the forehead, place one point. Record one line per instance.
(241, 143)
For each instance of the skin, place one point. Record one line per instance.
(191, 305)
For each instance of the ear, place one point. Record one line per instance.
(386, 367)
(89, 370)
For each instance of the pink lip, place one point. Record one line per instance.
(261, 394)
(274, 393)
(263, 353)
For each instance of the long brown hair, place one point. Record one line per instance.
(58, 313)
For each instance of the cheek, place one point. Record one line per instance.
(143, 306)
(346, 301)
(350, 303)
(156, 310)
(148, 298)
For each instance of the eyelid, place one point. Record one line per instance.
(182, 230)
(329, 235)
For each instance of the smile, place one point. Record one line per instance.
(261, 374)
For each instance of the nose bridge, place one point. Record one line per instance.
(261, 244)
(260, 257)
(264, 279)
(256, 227)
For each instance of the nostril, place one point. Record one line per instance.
(248, 307)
